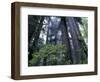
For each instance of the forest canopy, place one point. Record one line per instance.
(55, 40)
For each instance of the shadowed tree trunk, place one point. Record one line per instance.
(81, 40)
(35, 36)
(76, 47)
(65, 38)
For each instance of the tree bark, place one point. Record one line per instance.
(65, 38)
(35, 35)
(75, 45)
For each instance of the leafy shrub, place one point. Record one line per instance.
(45, 51)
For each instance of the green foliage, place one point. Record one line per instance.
(84, 60)
(47, 50)
(34, 60)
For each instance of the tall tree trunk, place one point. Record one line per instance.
(82, 43)
(33, 46)
(76, 48)
(65, 38)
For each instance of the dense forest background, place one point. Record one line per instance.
(55, 40)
